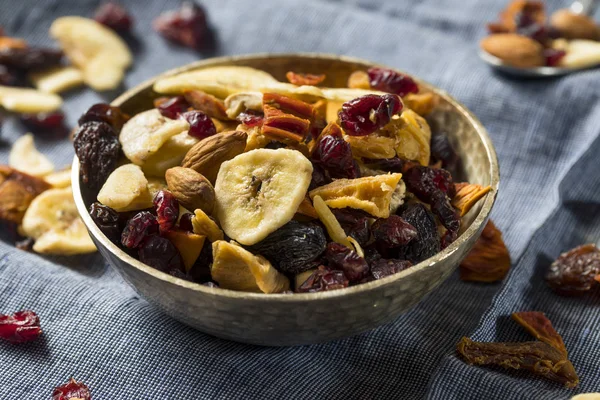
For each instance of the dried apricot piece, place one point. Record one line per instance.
(489, 260)
(304, 79)
(467, 195)
(538, 325)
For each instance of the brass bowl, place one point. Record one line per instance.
(298, 319)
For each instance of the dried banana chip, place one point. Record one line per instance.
(26, 158)
(59, 179)
(126, 189)
(24, 100)
(57, 80)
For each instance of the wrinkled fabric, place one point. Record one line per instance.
(546, 133)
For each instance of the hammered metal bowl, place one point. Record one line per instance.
(298, 319)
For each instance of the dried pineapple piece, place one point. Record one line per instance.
(372, 194)
(413, 136)
(372, 146)
(467, 194)
(237, 269)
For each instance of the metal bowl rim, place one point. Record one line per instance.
(296, 297)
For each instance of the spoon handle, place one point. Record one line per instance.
(584, 7)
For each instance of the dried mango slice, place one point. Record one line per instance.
(372, 194)
(467, 194)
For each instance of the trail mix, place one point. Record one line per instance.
(238, 180)
(546, 357)
(524, 38)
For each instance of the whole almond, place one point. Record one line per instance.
(516, 50)
(207, 155)
(575, 26)
(191, 189)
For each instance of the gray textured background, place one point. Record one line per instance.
(547, 137)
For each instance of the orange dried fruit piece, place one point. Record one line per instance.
(17, 191)
(372, 194)
(189, 246)
(359, 80)
(304, 79)
(421, 103)
(540, 327)
(467, 195)
(489, 260)
(537, 357)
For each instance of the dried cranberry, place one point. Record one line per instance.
(393, 231)
(386, 80)
(354, 222)
(98, 149)
(447, 238)
(103, 112)
(30, 58)
(342, 258)
(324, 279)
(158, 252)
(442, 150)
(334, 155)
(251, 118)
(553, 56)
(41, 122)
(366, 114)
(201, 126)
(21, 327)
(167, 210)
(107, 220)
(138, 227)
(427, 242)
(72, 390)
(441, 206)
(115, 16)
(173, 107)
(425, 181)
(185, 222)
(382, 268)
(186, 26)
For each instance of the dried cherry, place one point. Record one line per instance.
(107, 220)
(158, 252)
(293, 247)
(138, 227)
(103, 112)
(573, 272)
(382, 267)
(115, 16)
(334, 155)
(174, 106)
(98, 148)
(324, 279)
(366, 114)
(21, 327)
(393, 231)
(427, 242)
(339, 257)
(186, 26)
(201, 126)
(167, 210)
(72, 390)
(390, 81)
(251, 118)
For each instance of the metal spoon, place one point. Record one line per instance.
(584, 7)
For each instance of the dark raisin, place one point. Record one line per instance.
(186, 26)
(274, 145)
(393, 231)
(251, 118)
(386, 80)
(44, 122)
(382, 268)
(573, 272)
(443, 209)
(173, 107)
(21, 327)
(354, 222)
(371, 253)
(115, 16)
(72, 390)
(442, 150)
(425, 181)
(185, 222)
(447, 238)
(158, 252)
(140, 226)
(107, 220)
(395, 164)
(98, 149)
(334, 155)
(29, 58)
(201, 126)
(320, 177)
(103, 112)
(342, 258)
(11, 77)
(427, 242)
(553, 56)
(366, 114)
(293, 247)
(324, 279)
(167, 210)
(200, 271)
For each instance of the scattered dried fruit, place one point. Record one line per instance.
(72, 390)
(45, 123)
(115, 16)
(103, 112)
(489, 260)
(21, 327)
(574, 271)
(29, 58)
(97, 147)
(17, 191)
(186, 26)
(26, 158)
(366, 114)
(57, 80)
(334, 155)
(340, 257)
(25, 100)
(304, 79)
(538, 325)
(107, 220)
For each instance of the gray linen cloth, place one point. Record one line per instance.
(546, 133)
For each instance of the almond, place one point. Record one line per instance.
(191, 189)
(207, 155)
(575, 26)
(516, 50)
